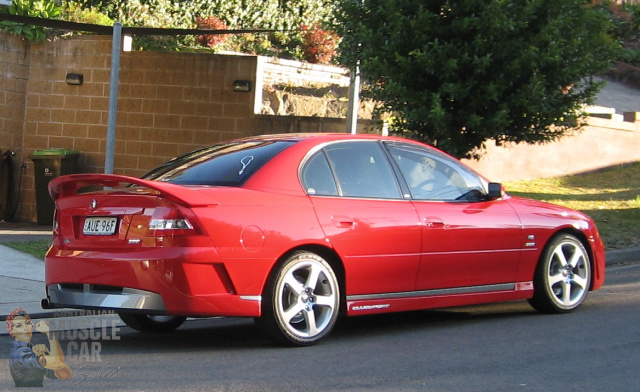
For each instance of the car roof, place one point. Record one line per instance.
(287, 163)
(322, 136)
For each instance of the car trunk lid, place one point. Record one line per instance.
(94, 211)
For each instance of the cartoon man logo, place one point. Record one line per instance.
(29, 364)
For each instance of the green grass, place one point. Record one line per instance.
(37, 248)
(611, 197)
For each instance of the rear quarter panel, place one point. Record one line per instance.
(251, 230)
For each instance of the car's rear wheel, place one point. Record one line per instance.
(302, 300)
(563, 276)
(149, 323)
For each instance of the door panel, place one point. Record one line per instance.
(360, 207)
(379, 241)
(468, 244)
(467, 240)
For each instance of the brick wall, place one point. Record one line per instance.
(168, 104)
(14, 74)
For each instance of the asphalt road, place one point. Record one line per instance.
(502, 347)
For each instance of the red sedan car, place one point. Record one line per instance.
(296, 229)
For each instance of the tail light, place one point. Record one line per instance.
(172, 220)
(55, 222)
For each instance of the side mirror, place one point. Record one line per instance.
(495, 191)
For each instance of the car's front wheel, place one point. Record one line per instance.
(302, 300)
(149, 323)
(563, 276)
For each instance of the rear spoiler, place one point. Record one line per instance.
(68, 185)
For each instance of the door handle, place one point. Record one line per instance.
(433, 222)
(343, 221)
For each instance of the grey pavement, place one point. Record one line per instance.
(619, 96)
(21, 281)
(21, 274)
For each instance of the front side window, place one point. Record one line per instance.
(226, 164)
(432, 175)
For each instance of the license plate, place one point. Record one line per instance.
(100, 225)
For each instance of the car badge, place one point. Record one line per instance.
(93, 204)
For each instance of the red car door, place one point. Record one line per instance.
(468, 244)
(467, 241)
(361, 209)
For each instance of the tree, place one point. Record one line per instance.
(456, 73)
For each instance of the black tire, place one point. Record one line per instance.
(149, 323)
(563, 276)
(301, 301)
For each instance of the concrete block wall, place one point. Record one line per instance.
(168, 104)
(172, 103)
(14, 75)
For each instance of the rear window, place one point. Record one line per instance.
(226, 164)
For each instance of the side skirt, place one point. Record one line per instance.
(441, 298)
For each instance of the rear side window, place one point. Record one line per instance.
(351, 169)
(317, 176)
(226, 164)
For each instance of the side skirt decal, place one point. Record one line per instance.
(437, 292)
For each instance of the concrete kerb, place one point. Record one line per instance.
(622, 256)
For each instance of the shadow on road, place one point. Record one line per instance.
(222, 334)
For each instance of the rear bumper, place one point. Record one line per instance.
(98, 297)
(178, 281)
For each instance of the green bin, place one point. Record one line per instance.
(49, 164)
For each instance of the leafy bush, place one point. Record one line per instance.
(313, 44)
(319, 46)
(631, 56)
(626, 19)
(255, 43)
(211, 23)
(284, 15)
(74, 11)
(633, 12)
(37, 8)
